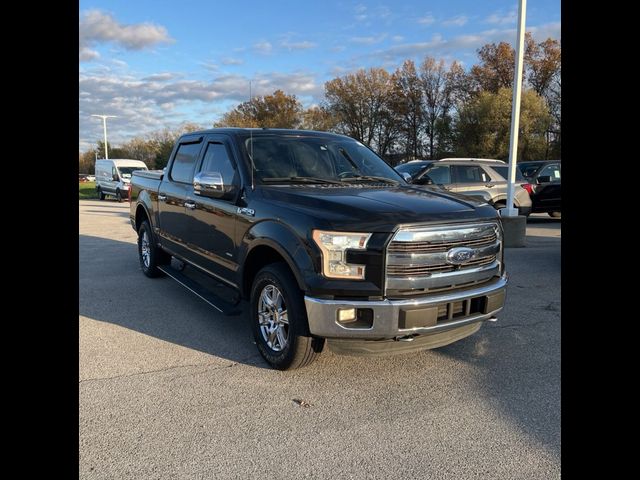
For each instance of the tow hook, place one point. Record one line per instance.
(406, 338)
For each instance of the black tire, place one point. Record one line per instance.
(555, 214)
(118, 196)
(101, 194)
(155, 255)
(298, 350)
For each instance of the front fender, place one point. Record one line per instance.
(283, 240)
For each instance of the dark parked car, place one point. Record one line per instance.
(323, 238)
(545, 178)
(481, 178)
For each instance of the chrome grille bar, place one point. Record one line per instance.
(417, 256)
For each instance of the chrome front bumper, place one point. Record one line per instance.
(388, 315)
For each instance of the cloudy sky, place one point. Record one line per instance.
(157, 64)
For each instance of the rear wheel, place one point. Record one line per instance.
(278, 319)
(149, 253)
(555, 214)
(101, 194)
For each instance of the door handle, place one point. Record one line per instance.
(162, 198)
(190, 205)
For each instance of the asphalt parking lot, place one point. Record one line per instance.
(169, 388)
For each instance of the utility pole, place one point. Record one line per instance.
(510, 211)
(104, 126)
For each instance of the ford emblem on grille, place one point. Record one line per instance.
(460, 255)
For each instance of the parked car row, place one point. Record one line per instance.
(537, 189)
(84, 177)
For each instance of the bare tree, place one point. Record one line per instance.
(362, 104)
(408, 105)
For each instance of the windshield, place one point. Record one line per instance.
(287, 159)
(504, 173)
(411, 168)
(125, 172)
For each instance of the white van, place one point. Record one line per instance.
(113, 177)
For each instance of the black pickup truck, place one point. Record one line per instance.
(323, 238)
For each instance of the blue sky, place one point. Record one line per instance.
(157, 64)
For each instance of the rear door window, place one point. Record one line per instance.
(184, 163)
(469, 174)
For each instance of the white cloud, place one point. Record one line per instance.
(438, 46)
(161, 77)
(426, 20)
(305, 45)
(153, 102)
(263, 47)
(100, 27)
(368, 40)
(232, 61)
(86, 54)
(458, 21)
(500, 18)
(397, 38)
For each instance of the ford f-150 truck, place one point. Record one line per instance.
(325, 240)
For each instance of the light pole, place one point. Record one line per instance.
(104, 126)
(509, 211)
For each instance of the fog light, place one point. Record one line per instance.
(346, 315)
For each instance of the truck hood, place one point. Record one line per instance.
(378, 209)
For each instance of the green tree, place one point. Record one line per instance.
(272, 111)
(483, 126)
(318, 118)
(87, 162)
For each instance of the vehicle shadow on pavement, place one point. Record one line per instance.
(548, 221)
(109, 212)
(519, 354)
(113, 289)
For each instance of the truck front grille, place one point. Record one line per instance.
(417, 257)
(413, 270)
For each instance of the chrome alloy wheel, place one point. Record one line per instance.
(145, 250)
(273, 318)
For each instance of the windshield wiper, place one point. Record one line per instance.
(301, 180)
(372, 178)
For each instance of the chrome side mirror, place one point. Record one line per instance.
(208, 184)
(406, 177)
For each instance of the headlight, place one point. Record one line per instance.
(334, 246)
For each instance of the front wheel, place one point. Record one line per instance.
(118, 196)
(278, 318)
(149, 253)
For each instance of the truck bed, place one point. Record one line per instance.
(152, 174)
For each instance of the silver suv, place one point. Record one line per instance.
(476, 177)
